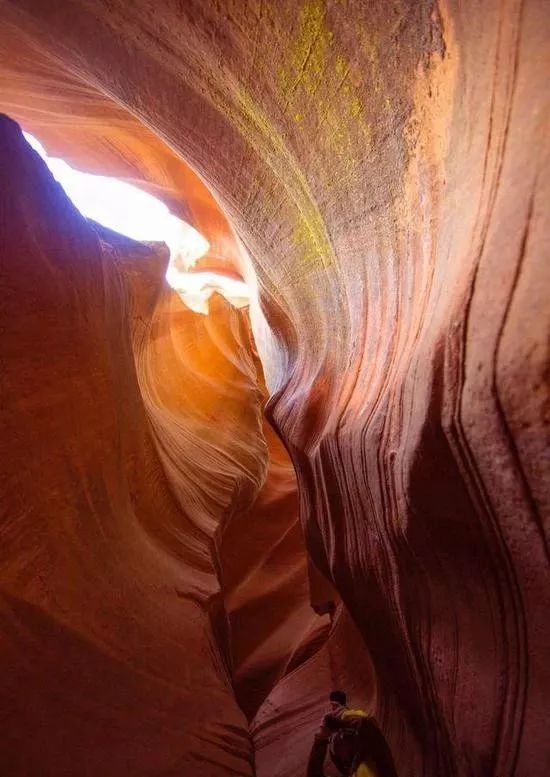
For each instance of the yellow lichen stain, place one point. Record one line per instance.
(323, 79)
(341, 65)
(319, 89)
(310, 242)
(356, 108)
(308, 55)
(309, 234)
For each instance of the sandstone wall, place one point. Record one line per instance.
(386, 167)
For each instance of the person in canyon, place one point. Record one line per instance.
(356, 745)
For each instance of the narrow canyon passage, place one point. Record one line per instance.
(186, 511)
(212, 519)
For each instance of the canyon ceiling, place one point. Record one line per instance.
(209, 522)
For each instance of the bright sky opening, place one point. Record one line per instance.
(135, 213)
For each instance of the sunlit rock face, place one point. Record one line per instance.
(155, 583)
(386, 168)
(106, 637)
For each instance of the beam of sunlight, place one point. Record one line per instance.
(196, 288)
(135, 213)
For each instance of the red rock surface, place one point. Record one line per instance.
(386, 166)
(105, 576)
(133, 618)
(91, 132)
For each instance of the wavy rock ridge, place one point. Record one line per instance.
(386, 169)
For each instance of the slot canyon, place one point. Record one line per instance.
(211, 520)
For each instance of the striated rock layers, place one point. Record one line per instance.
(386, 167)
(103, 573)
(155, 585)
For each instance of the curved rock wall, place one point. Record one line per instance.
(386, 167)
(77, 122)
(154, 577)
(106, 642)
